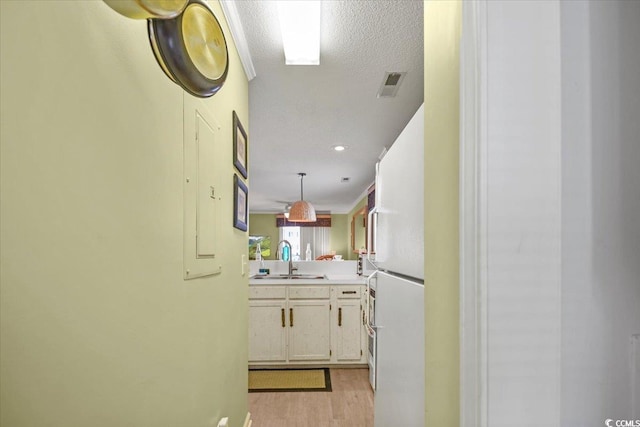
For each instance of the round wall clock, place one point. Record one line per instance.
(146, 9)
(191, 49)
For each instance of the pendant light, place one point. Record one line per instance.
(302, 211)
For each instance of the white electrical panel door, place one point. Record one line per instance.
(206, 215)
(203, 143)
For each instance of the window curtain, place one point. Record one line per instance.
(323, 220)
(318, 238)
(293, 236)
(317, 234)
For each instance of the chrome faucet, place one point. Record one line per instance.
(291, 267)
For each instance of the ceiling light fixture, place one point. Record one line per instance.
(300, 27)
(339, 147)
(302, 211)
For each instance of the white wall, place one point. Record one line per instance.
(558, 224)
(601, 210)
(521, 205)
(559, 209)
(522, 202)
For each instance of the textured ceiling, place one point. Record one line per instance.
(298, 112)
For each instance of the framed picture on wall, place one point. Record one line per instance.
(240, 152)
(240, 203)
(265, 246)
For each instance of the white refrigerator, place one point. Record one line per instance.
(398, 241)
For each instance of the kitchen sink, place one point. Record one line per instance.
(286, 276)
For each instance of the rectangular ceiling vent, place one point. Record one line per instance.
(390, 84)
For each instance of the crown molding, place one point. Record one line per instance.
(237, 31)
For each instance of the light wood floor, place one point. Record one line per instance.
(350, 404)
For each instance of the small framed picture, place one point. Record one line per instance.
(240, 203)
(240, 154)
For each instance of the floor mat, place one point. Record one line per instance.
(269, 380)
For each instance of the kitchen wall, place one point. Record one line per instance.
(265, 224)
(98, 327)
(600, 211)
(360, 237)
(442, 115)
(340, 227)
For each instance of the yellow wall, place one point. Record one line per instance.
(360, 236)
(98, 328)
(442, 68)
(265, 224)
(339, 229)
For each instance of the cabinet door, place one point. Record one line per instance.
(267, 331)
(348, 330)
(309, 331)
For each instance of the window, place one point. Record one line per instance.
(292, 235)
(299, 237)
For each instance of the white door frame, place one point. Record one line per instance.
(527, 112)
(473, 216)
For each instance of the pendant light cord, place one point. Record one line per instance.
(302, 211)
(302, 174)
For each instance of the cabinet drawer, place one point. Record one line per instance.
(348, 292)
(309, 292)
(267, 292)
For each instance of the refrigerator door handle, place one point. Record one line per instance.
(368, 281)
(371, 232)
(371, 330)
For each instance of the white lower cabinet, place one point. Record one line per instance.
(348, 324)
(306, 324)
(348, 331)
(267, 332)
(310, 330)
(267, 324)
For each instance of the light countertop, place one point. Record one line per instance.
(332, 279)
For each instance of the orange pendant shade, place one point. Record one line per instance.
(302, 211)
